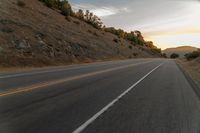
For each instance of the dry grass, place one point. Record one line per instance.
(192, 68)
(14, 69)
(39, 36)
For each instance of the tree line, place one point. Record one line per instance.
(133, 36)
(192, 55)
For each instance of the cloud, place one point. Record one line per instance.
(156, 19)
(105, 11)
(102, 11)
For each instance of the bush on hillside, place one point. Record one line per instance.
(89, 18)
(192, 55)
(49, 3)
(62, 5)
(174, 55)
(130, 47)
(66, 9)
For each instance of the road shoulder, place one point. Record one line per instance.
(191, 74)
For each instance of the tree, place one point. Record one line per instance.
(90, 17)
(80, 14)
(192, 55)
(140, 38)
(174, 55)
(49, 3)
(96, 22)
(66, 8)
(150, 44)
(131, 37)
(164, 55)
(62, 5)
(87, 13)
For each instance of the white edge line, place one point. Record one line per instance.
(94, 117)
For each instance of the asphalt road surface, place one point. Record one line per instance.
(130, 96)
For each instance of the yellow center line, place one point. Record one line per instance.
(50, 83)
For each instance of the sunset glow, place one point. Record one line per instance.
(167, 23)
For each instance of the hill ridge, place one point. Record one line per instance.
(181, 50)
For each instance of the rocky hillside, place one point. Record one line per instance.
(32, 34)
(180, 50)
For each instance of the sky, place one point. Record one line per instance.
(168, 23)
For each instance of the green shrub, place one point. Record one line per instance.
(130, 47)
(192, 55)
(62, 5)
(174, 55)
(66, 8)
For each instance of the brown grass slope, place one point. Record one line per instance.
(35, 35)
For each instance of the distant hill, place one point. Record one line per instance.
(179, 50)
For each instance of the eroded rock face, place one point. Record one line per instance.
(21, 44)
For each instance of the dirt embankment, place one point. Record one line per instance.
(35, 35)
(192, 68)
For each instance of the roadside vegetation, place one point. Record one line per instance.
(135, 37)
(191, 65)
(174, 55)
(65, 9)
(193, 55)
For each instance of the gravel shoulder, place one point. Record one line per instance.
(191, 68)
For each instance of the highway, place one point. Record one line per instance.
(129, 96)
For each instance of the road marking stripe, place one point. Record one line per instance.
(56, 70)
(40, 72)
(94, 117)
(50, 83)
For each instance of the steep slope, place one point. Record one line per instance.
(179, 50)
(35, 35)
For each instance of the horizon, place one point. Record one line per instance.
(166, 23)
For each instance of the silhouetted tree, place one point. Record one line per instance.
(66, 8)
(192, 55)
(164, 55)
(80, 14)
(174, 55)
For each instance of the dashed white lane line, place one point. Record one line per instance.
(94, 117)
